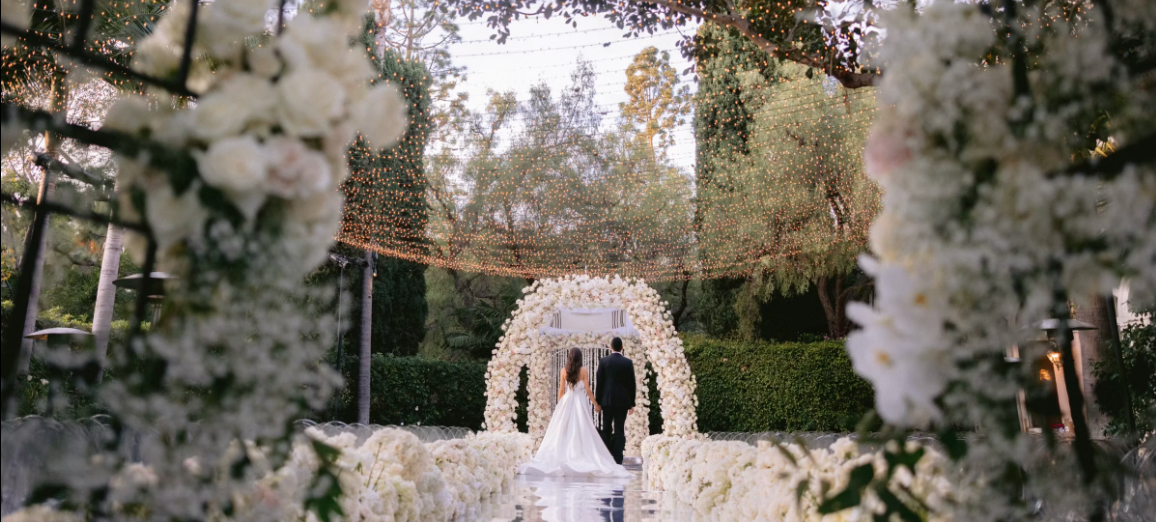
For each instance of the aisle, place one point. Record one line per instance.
(568, 499)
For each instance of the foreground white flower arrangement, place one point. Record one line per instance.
(996, 217)
(522, 345)
(391, 477)
(269, 130)
(239, 188)
(736, 481)
(394, 477)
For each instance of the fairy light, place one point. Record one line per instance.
(544, 233)
(651, 241)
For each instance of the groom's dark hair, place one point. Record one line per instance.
(616, 344)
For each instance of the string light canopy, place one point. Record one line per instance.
(556, 197)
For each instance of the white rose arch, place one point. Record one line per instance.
(636, 314)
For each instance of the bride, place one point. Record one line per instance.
(572, 445)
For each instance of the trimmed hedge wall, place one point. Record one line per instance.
(742, 386)
(412, 390)
(759, 386)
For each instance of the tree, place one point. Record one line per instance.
(657, 104)
(779, 162)
(29, 71)
(829, 43)
(420, 31)
(393, 179)
(540, 184)
(1117, 388)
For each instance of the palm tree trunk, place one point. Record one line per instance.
(363, 387)
(106, 295)
(58, 106)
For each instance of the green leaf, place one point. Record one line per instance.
(903, 458)
(896, 506)
(852, 495)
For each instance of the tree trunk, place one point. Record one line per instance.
(834, 304)
(683, 303)
(1094, 347)
(829, 308)
(106, 296)
(58, 106)
(363, 387)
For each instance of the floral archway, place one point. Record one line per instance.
(525, 345)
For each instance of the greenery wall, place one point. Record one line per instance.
(418, 391)
(759, 386)
(742, 386)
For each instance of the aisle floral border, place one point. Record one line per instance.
(390, 475)
(658, 344)
(733, 480)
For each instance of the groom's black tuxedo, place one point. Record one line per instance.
(615, 394)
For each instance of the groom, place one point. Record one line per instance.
(615, 397)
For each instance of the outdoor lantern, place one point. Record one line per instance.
(1051, 326)
(155, 290)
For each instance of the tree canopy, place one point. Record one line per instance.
(798, 31)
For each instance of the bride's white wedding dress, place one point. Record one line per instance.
(572, 446)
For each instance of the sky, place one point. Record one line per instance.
(548, 50)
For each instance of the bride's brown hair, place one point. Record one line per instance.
(573, 366)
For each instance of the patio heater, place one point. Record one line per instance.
(154, 290)
(1052, 327)
(53, 337)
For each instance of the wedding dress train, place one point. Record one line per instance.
(572, 446)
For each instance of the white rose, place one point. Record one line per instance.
(309, 101)
(237, 166)
(226, 24)
(322, 207)
(264, 62)
(315, 43)
(172, 218)
(294, 170)
(129, 115)
(239, 101)
(157, 55)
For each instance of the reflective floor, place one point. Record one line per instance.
(570, 499)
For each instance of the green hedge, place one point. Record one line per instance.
(412, 390)
(759, 386)
(742, 386)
